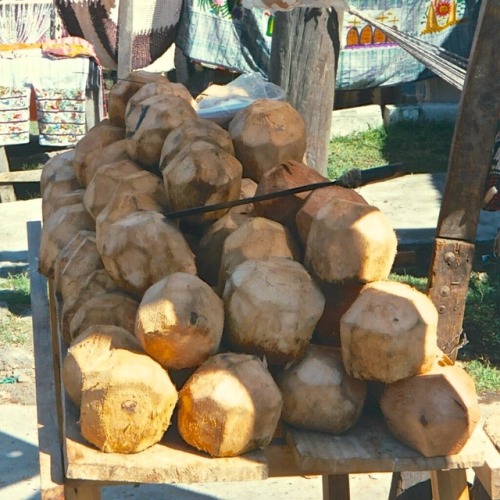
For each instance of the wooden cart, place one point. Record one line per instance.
(71, 468)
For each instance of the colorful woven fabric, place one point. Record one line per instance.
(14, 115)
(58, 72)
(223, 33)
(154, 26)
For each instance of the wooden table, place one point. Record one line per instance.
(71, 468)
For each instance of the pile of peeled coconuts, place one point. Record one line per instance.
(234, 319)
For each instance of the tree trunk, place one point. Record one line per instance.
(304, 57)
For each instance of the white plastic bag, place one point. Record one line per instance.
(220, 103)
(292, 4)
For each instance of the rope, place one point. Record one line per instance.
(449, 66)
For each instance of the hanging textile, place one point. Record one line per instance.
(58, 72)
(154, 26)
(223, 33)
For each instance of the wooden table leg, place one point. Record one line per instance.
(336, 487)
(449, 485)
(81, 490)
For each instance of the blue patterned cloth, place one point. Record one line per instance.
(222, 33)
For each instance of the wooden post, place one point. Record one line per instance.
(304, 56)
(125, 18)
(7, 192)
(469, 164)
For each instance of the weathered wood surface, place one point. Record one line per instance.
(489, 473)
(50, 451)
(21, 176)
(336, 487)
(451, 484)
(125, 13)
(369, 447)
(475, 130)
(7, 193)
(447, 288)
(304, 55)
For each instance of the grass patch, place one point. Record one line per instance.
(482, 316)
(421, 146)
(15, 292)
(15, 326)
(485, 375)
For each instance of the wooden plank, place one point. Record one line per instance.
(447, 288)
(171, 461)
(489, 473)
(449, 485)
(21, 176)
(49, 444)
(7, 193)
(304, 54)
(475, 130)
(369, 447)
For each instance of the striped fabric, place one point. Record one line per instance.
(153, 32)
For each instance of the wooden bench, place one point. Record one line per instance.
(72, 468)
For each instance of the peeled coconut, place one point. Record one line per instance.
(57, 232)
(105, 183)
(61, 200)
(180, 321)
(159, 87)
(123, 203)
(56, 163)
(114, 152)
(315, 200)
(389, 333)
(434, 413)
(123, 90)
(318, 394)
(208, 255)
(113, 308)
(127, 403)
(288, 175)
(65, 254)
(265, 134)
(202, 174)
(192, 130)
(83, 261)
(255, 238)
(97, 138)
(97, 283)
(142, 248)
(350, 242)
(272, 307)
(229, 406)
(90, 348)
(149, 124)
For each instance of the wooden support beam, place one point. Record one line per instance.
(7, 193)
(449, 485)
(468, 168)
(304, 56)
(21, 176)
(447, 288)
(125, 18)
(336, 487)
(475, 130)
